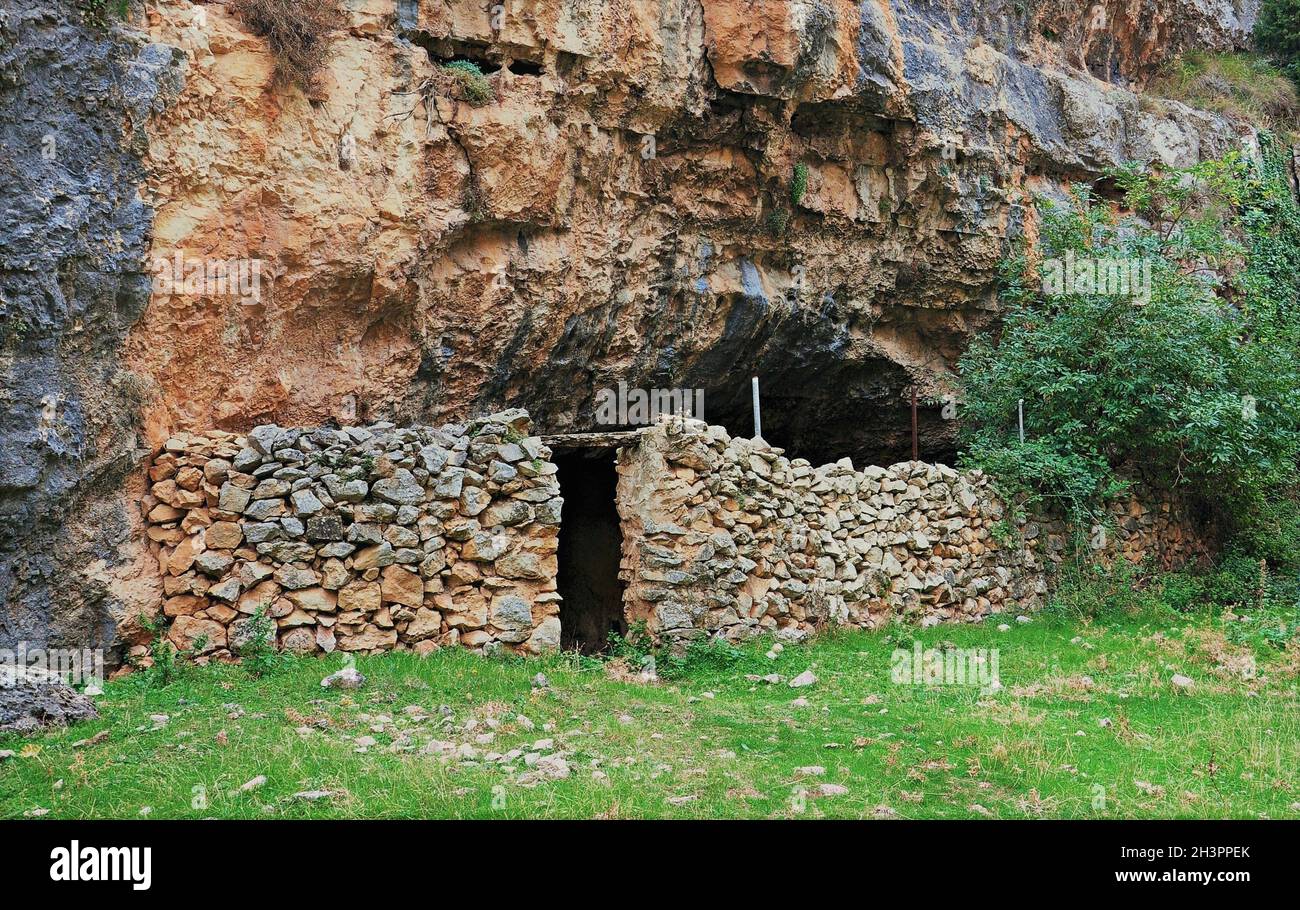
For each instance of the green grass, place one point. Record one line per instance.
(711, 743)
(1238, 85)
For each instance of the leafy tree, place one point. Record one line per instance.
(1277, 32)
(1187, 378)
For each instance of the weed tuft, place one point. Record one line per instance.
(475, 86)
(298, 32)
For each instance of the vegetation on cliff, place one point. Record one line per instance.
(1277, 32)
(1246, 87)
(101, 12)
(473, 84)
(298, 33)
(1161, 340)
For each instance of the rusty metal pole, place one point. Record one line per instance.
(915, 445)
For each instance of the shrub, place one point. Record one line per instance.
(1277, 32)
(1235, 581)
(1196, 387)
(474, 85)
(1182, 591)
(701, 656)
(799, 183)
(100, 12)
(636, 645)
(1088, 590)
(298, 32)
(1270, 528)
(255, 646)
(165, 657)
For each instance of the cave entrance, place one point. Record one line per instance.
(591, 548)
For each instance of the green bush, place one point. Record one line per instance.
(1088, 590)
(799, 183)
(1277, 32)
(1270, 530)
(1192, 383)
(256, 650)
(166, 661)
(635, 646)
(702, 656)
(1266, 604)
(1234, 582)
(477, 89)
(1182, 592)
(100, 12)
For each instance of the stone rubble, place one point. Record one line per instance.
(32, 699)
(347, 678)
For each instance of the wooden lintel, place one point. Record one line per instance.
(569, 442)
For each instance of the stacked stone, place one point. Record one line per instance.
(736, 539)
(361, 539)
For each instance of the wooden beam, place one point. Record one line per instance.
(569, 442)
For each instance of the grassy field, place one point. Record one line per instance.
(1087, 724)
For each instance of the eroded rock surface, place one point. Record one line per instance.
(623, 208)
(74, 235)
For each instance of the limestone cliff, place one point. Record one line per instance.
(74, 236)
(623, 208)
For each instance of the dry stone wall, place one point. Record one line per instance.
(373, 538)
(361, 539)
(728, 536)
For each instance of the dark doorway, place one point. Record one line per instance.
(591, 546)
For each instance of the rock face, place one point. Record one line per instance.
(32, 699)
(624, 207)
(1127, 40)
(74, 102)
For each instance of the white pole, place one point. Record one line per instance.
(758, 418)
(1021, 408)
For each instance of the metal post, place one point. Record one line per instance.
(916, 451)
(1021, 409)
(758, 417)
